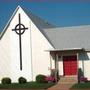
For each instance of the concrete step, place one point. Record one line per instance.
(68, 80)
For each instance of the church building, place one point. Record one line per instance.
(30, 46)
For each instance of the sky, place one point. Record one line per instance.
(59, 13)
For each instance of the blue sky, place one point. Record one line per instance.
(58, 13)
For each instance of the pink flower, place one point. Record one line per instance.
(83, 79)
(50, 78)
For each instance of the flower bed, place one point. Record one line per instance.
(83, 79)
(50, 79)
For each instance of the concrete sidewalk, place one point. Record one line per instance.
(61, 87)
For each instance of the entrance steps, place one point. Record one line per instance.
(68, 80)
(65, 83)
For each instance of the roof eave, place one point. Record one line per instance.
(67, 49)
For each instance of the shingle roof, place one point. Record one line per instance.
(60, 38)
(69, 37)
(39, 22)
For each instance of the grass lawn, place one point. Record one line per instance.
(29, 85)
(81, 86)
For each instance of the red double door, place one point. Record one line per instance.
(70, 65)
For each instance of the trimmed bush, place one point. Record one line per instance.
(22, 80)
(6, 80)
(41, 78)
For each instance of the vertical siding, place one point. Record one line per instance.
(9, 51)
(60, 64)
(40, 57)
(5, 59)
(84, 63)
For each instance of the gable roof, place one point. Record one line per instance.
(59, 38)
(40, 23)
(69, 37)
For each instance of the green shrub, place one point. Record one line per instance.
(6, 80)
(22, 80)
(41, 78)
